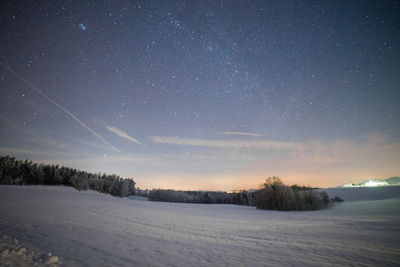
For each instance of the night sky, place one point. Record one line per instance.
(204, 95)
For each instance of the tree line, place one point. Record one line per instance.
(204, 197)
(26, 172)
(273, 195)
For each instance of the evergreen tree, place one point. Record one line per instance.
(14, 171)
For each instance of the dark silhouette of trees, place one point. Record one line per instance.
(275, 195)
(26, 172)
(205, 197)
(79, 181)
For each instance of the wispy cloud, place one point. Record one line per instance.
(225, 143)
(123, 134)
(241, 133)
(39, 91)
(316, 162)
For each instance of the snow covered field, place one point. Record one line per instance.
(92, 229)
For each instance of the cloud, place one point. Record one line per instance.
(123, 134)
(241, 133)
(39, 91)
(318, 162)
(370, 150)
(225, 143)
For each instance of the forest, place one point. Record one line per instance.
(18, 172)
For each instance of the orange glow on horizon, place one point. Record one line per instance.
(252, 181)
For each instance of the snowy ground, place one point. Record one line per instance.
(92, 229)
(12, 253)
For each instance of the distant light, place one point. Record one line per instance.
(348, 185)
(372, 183)
(369, 183)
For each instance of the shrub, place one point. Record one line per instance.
(79, 182)
(275, 195)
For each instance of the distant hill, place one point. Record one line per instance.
(393, 180)
(377, 182)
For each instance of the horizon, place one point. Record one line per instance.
(204, 96)
(261, 184)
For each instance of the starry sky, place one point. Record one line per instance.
(197, 95)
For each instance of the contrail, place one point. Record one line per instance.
(122, 134)
(58, 105)
(241, 133)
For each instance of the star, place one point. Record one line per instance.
(82, 26)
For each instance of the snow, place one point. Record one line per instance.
(89, 228)
(14, 254)
(364, 193)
